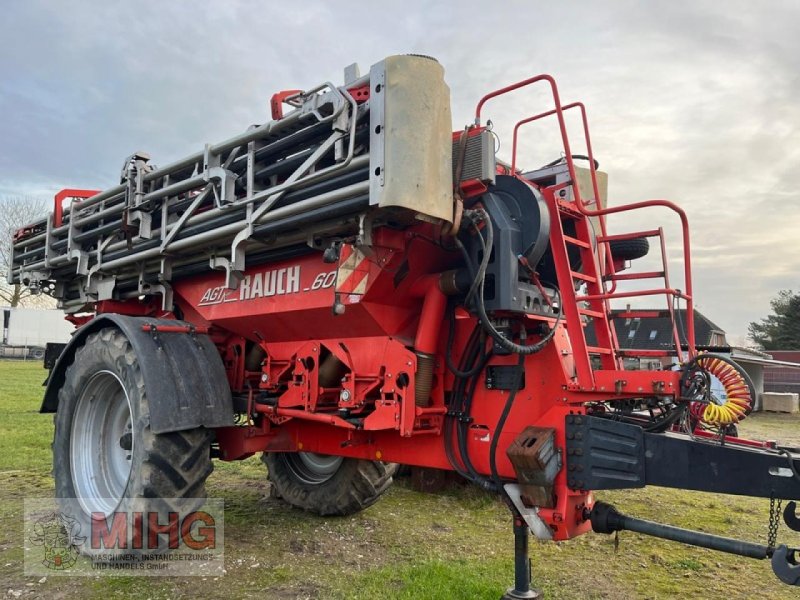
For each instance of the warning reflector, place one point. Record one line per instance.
(353, 273)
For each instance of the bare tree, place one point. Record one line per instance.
(16, 212)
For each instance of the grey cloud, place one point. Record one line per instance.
(692, 101)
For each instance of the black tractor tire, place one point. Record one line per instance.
(355, 484)
(167, 471)
(629, 249)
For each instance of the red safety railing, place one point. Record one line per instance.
(58, 202)
(601, 212)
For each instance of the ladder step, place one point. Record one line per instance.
(576, 242)
(592, 313)
(632, 276)
(628, 236)
(598, 350)
(640, 314)
(646, 353)
(583, 277)
(568, 209)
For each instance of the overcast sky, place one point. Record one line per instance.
(698, 102)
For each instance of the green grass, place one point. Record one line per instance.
(409, 545)
(26, 435)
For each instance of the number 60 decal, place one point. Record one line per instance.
(323, 281)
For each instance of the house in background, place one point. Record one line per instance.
(655, 334)
(783, 378)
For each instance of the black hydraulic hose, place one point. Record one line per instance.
(452, 322)
(473, 273)
(665, 423)
(448, 448)
(480, 275)
(501, 422)
(449, 347)
(456, 415)
(459, 412)
(508, 344)
(462, 393)
(790, 456)
(463, 428)
(687, 386)
(456, 405)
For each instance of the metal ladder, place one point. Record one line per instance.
(594, 274)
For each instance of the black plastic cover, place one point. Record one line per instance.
(603, 454)
(183, 373)
(521, 223)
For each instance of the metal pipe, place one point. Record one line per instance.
(271, 127)
(232, 229)
(293, 245)
(522, 563)
(30, 240)
(606, 519)
(23, 256)
(104, 195)
(301, 193)
(305, 415)
(633, 294)
(309, 134)
(175, 188)
(257, 133)
(171, 168)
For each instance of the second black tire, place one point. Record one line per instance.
(629, 249)
(350, 487)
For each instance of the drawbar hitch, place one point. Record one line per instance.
(607, 519)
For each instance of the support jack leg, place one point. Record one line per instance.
(522, 564)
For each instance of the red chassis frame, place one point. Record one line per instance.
(381, 326)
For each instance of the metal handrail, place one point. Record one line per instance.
(601, 212)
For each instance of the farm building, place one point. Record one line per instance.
(776, 371)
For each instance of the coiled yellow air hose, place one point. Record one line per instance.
(738, 397)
